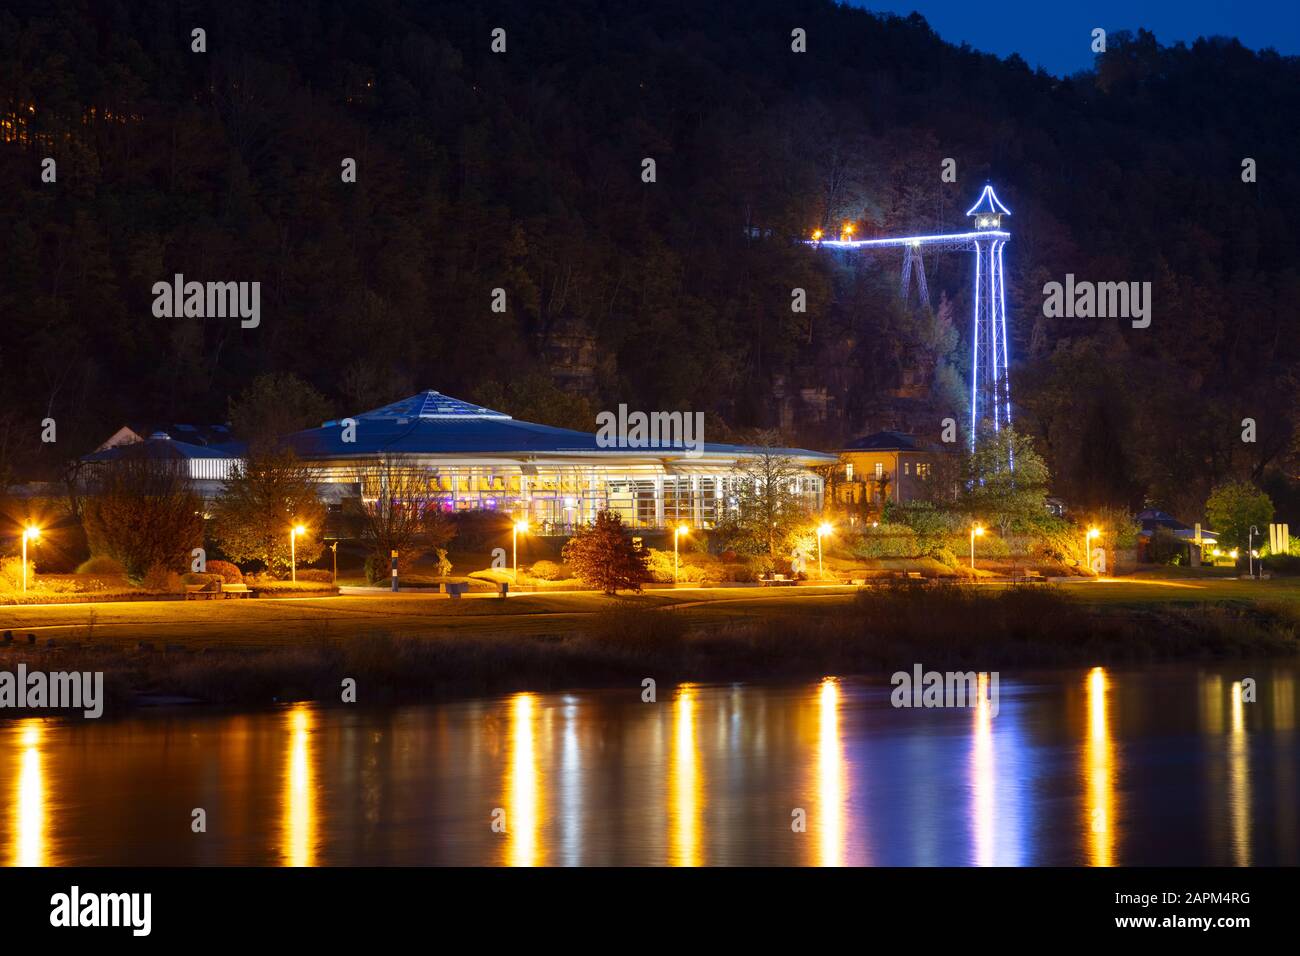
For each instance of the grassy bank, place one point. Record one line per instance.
(877, 631)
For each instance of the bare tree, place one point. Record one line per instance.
(399, 509)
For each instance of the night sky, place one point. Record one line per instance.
(1057, 35)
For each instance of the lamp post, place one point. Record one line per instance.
(334, 549)
(1087, 545)
(680, 530)
(30, 533)
(975, 532)
(520, 527)
(293, 550)
(822, 531)
(1250, 548)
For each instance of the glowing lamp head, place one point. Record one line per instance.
(299, 530)
(521, 527)
(817, 235)
(978, 530)
(846, 231)
(1094, 533)
(824, 529)
(31, 533)
(683, 529)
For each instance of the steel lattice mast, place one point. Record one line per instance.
(990, 399)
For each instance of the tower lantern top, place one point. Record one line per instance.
(988, 210)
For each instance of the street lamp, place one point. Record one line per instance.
(519, 527)
(1087, 545)
(294, 532)
(1250, 548)
(30, 533)
(822, 531)
(680, 530)
(975, 532)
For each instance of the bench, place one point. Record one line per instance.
(201, 592)
(455, 589)
(775, 580)
(236, 590)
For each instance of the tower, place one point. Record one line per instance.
(990, 394)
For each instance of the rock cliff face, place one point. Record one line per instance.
(571, 353)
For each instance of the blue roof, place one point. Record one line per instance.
(431, 423)
(166, 449)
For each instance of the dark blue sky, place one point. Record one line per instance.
(1057, 34)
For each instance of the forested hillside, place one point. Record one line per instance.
(523, 170)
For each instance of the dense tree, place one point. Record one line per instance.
(142, 512)
(265, 497)
(1010, 496)
(603, 555)
(1233, 508)
(274, 405)
(522, 172)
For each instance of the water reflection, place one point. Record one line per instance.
(830, 776)
(29, 799)
(522, 785)
(1239, 780)
(708, 777)
(1099, 757)
(300, 794)
(684, 784)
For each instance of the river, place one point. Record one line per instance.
(1176, 765)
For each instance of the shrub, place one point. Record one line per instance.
(377, 569)
(201, 577)
(100, 564)
(315, 574)
(887, 541)
(228, 572)
(11, 573)
(1283, 563)
(661, 568)
(161, 578)
(549, 571)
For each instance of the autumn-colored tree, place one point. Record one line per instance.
(262, 501)
(141, 511)
(603, 556)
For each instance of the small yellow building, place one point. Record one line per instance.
(885, 466)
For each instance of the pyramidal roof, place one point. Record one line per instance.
(430, 404)
(988, 203)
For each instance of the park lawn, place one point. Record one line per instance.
(280, 623)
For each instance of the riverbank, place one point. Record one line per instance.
(868, 632)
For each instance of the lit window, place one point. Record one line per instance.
(907, 467)
(880, 470)
(923, 469)
(848, 472)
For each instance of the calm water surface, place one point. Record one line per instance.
(1100, 767)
